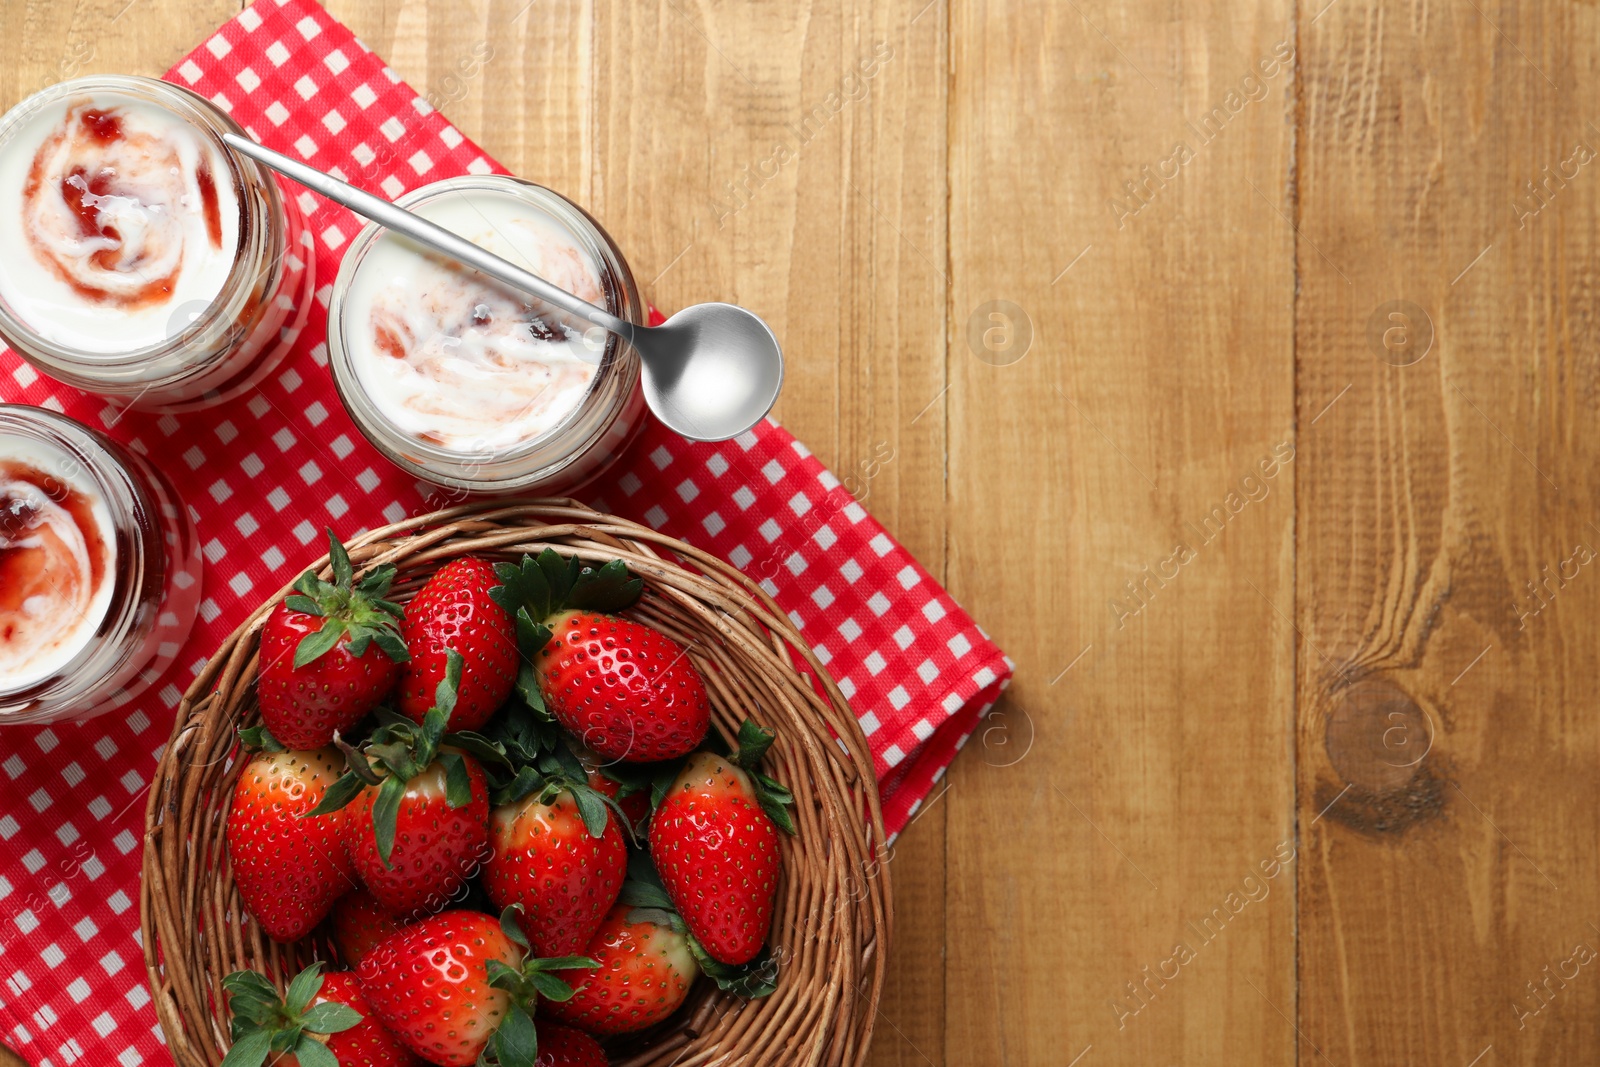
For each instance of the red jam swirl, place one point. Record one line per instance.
(53, 562)
(104, 208)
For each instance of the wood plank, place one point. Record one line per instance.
(1442, 880)
(1160, 376)
(49, 42)
(516, 77)
(795, 164)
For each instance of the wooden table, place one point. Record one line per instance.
(1224, 363)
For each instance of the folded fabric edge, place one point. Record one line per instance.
(908, 786)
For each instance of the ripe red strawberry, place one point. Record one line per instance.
(557, 854)
(420, 821)
(289, 869)
(459, 983)
(322, 1019)
(562, 1046)
(329, 653)
(455, 611)
(359, 923)
(626, 691)
(717, 848)
(629, 692)
(646, 969)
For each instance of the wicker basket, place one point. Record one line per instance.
(832, 918)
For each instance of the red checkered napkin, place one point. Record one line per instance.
(264, 476)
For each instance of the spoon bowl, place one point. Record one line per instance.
(711, 371)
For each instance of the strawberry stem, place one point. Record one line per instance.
(399, 750)
(263, 1023)
(514, 1043)
(773, 796)
(356, 611)
(537, 588)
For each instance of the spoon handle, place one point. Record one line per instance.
(430, 234)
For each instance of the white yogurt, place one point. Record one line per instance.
(57, 543)
(457, 360)
(117, 221)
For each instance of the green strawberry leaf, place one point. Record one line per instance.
(389, 641)
(559, 574)
(457, 779)
(775, 799)
(360, 638)
(303, 604)
(504, 976)
(515, 1043)
(330, 1017)
(531, 636)
(394, 756)
(511, 923)
(303, 989)
(348, 786)
(591, 809)
(523, 587)
(524, 591)
(250, 1050)
(566, 763)
(523, 784)
(758, 978)
(251, 996)
(523, 731)
(550, 987)
(260, 737)
(645, 896)
(376, 584)
(318, 643)
(528, 689)
(561, 963)
(659, 788)
(610, 589)
(475, 744)
(385, 811)
(264, 1025)
(444, 697)
(356, 760)
(340, 559)
(753, 744)
(537, 973)
(313, 1053)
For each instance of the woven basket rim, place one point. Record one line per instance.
(834, 913)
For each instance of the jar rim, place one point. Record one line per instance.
(615, 379)
(138, 560)
(209, 123)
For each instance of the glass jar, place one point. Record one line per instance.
(151, 264)
(403, 321)
(99, 570)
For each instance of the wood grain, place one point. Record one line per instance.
(1305, 724)
(1446, 718)
(1082, 477)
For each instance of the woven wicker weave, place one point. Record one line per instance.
(832, 918)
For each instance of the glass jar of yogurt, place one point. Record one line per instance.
(466, 383)
(140, 258)
(99, 570)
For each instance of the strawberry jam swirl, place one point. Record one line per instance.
(54, 559)
(455, 359)
(111, 207)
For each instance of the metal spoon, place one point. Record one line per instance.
(710, 372)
